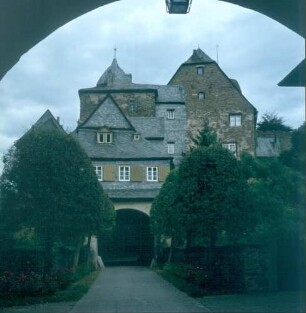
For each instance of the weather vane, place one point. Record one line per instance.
(115, 53)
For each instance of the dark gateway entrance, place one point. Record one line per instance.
(131, 242)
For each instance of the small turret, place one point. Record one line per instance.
(114, 76)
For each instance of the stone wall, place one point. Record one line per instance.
(144, 101)
(222, 98)
(272, 143)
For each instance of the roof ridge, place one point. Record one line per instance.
(199, 56)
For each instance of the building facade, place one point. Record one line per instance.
(215, 100)
(133, 133)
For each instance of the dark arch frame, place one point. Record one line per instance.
(25, 23)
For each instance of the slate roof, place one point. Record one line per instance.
(115, 79)
(124, 148)
(198, 56)
(48, 122)
(236, 84)
(114, 76)
(149, 127)
(132, 194)
(107, 114)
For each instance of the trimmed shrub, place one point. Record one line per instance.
(34, 284)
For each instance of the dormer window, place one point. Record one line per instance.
(170, 114)
(132, 106)
(200, 70)
(104, 137)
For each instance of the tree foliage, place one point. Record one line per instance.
(277, 193)
(206, 197)
(296, 156)
(48, 183)
(205, 137)
(164, 217)
(212, 195)
(272, 122)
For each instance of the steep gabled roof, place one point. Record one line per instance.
(49, 122)
(124, 147)
(199, 57)
(46, 122)
(107, 114)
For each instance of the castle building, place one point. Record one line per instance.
(135, 133)
(214, 99)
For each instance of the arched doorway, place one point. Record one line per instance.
(130, 242)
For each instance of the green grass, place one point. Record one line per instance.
(73, 293)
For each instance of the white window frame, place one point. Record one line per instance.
(201, 95)
(104, 137)
(170, 114)
(132, 106)
(171, 147)
(235, 120)
(99, 172)
(231, 146)
(152, 173)
(124, 173)
(200, 70)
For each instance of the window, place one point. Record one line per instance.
(104, 137)
(136, 137)
(235, 119)
(99, 172)
(152, 174)
(132, 106)
(231, 147)
(170, 147)
(124, 173)
(201, 95)
(170, 114)
(200, 70)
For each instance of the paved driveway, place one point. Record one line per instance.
(135, 289)
(138, 289)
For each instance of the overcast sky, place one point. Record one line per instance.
(151, 45)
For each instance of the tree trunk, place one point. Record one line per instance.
(170, 252)
(77, 253)
(154, 261)
(88, 252)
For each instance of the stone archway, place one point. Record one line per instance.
(131, 242)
